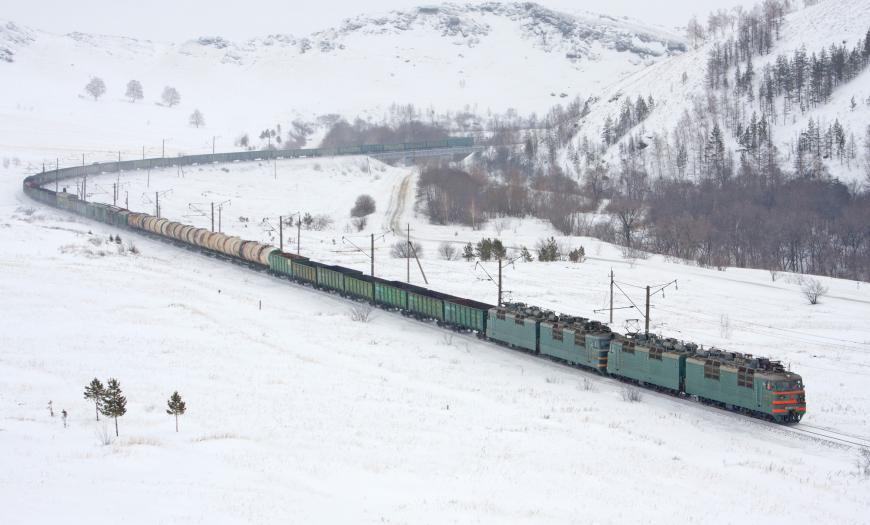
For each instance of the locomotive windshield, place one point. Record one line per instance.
(788, 385)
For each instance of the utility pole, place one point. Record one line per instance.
(646, 327)
(114, 193)
(212, 217)
(212, 145)
(56, 173)
(143, 152)
(220, 213)
(499, 282)
(275, 167)
(611, 296)
(148, 182)
(157, 204)
(281, 233)
(163, 150)
(409, 253)
(298, 232)
(373, 255)
(85, 180)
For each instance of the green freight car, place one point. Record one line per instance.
(281, 263)
(424, 304)
(304, 270)
(360, 287)
(650, 360)
(465, 314)
(391, 294)
(333, 277)
(516, 324)
(576, 340)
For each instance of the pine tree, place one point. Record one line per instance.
(95, 392)
(114, 403)
(468, 252)
(177, 407)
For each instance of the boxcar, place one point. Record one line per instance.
(515, 324)
(465, 314)
(576, 340)
(650, 360)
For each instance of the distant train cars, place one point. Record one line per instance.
(737, 382)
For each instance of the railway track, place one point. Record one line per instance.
(832, 435)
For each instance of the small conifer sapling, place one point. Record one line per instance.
(177, 407)
(95, 392)
(114, 403)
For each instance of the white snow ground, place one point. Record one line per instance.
(297, 414)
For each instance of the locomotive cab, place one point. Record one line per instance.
(787, 398)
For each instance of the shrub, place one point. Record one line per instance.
(360, 313)
(447, 251)
(359, 223)
(577, 255)
(548, 250)
(399, 250)
(813, 290)
(525, 255)
(364, 205)
(468, 252)
(631, 394)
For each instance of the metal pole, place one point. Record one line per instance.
(611, 296)
(499, 282)
(409, 253)
(143, 152)
(220, 213)
(646, 327)
(212, 217)
(281, 233)
(148, 182)
(275, 164)
(373, 255)
(212, 146)
(126, 200)
(298, 233)
(163, 150)
(56, 172)
(157, 204)
(84, 180)
(114, 193)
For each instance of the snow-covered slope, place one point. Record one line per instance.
(449, 56)
(829, 22)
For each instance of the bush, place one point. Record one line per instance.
(364, 205)
(578, 255)
(360, 313)
(359, 223)
(631, 394)
(468, 252)
(525, 255)
(447, 251)
(548, 250)
(813, 290)
(399, 250)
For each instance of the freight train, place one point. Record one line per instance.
(738, 382)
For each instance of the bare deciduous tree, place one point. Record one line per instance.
(171, 96)
(813, 290)
(96, 87)
(134, 90)
(197, 119)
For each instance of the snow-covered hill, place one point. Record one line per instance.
(447, 56)
(678, 84)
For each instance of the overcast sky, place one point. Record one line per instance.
(183, 19)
